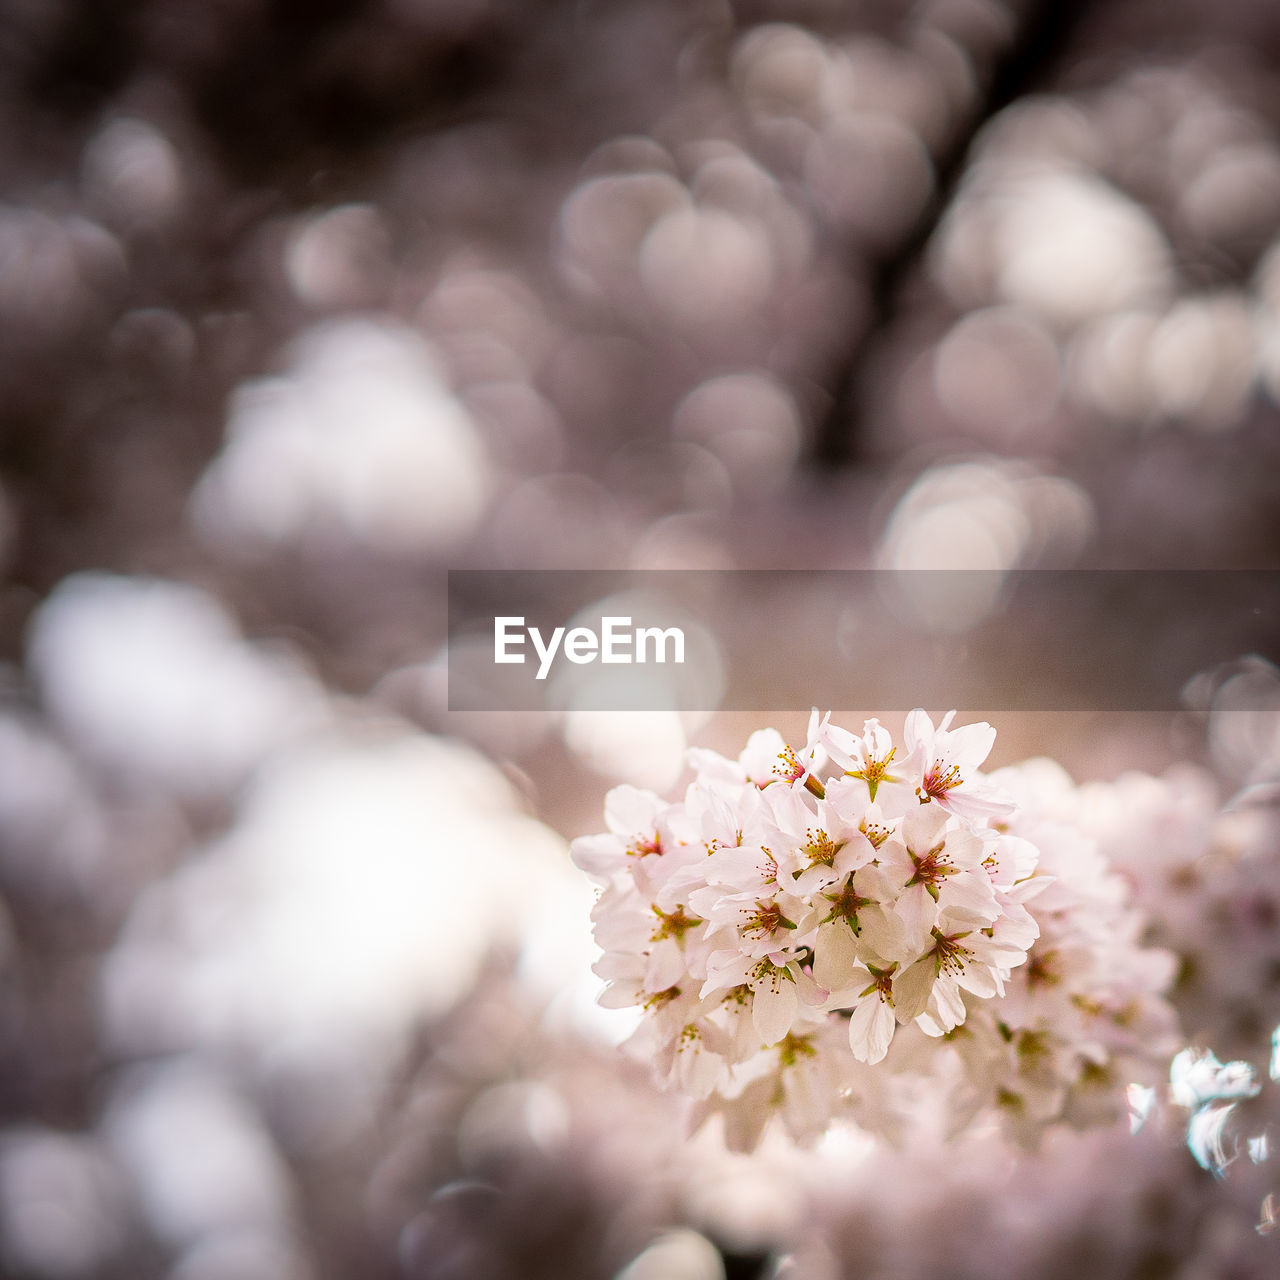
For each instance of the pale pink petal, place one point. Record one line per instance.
(726, 969)
(842, 747)
(773, 1008)
(677, 886)
(743, 866)
(707, 900)
(923, 828)
(895, 798)
(857, 853)
(835, 960)
(814, 879)
(697, 1068)
(788, 809)
(666, 965)
(620, 995)
(1025, 890)
(976, 803)
(918, 730)
(746, 1117)
(760, 756)
(969, 745)
(911, 990)
(917, 913)
(1011, 859)
(628, 810)
(871, 1029)
(998, 953)
(601, 856)
(884, 933)
(970, 892)
(809, 991)
(1017, 927)
(964, 850)
(711, 765)
(946, 1007)
(876, 882)
(895, 866)
(878, 739)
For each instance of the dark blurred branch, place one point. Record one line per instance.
(744, 1266)
(1041, 41)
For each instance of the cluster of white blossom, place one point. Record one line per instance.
(847, 930)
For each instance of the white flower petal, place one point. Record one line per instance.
(602, 856)
(835, 958)
(971, 893)
(946, 1005)
(918, 730)
(628, 810)
(773, 1009)
(883, 932)
(871, 1029)
(911, 990)
(970, 745)
(666, 965)
(918, 913)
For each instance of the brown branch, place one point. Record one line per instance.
(1044, 38)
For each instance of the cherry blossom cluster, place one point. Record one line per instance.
(841, 930)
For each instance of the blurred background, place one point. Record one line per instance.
(302, 304)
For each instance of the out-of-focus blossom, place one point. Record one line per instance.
(980, 514)
(152, 678)
(65, 262)
(132, 174)
(626, 725)
(487, 322)
(996, 373)
(1235, 195)
(64, 1204)
(704, 258)
(560, 521)
(201, 1160)
(339, 257)
(784, 71)
(1202, 360)
(1202, 868)
(1198, 1077)
(359, 439)
(52, 829)
(644, 747)
(870, 174)
(1212, 1091)
(1194, 363)
(245, 1253)
(1244, 721)
(748, 421)
(1065, 243)
(1114, 219)
(297, 937)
